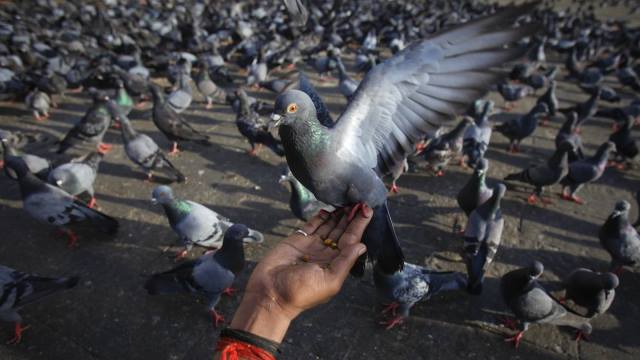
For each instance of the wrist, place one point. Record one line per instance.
(261, 315)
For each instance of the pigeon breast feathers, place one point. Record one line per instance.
(424, 86)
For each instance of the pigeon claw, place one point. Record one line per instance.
(217, 318)
(104, 148)
(390, 324)
(392, 307)
(181, 255)
(354, 210)
(439, 173)
(532, 199)
(92, 203)
(515, 339)
(229, 291)
(573, 198)
(174, 149)
(17, 338)
(394, 188)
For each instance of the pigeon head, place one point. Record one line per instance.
(237, 233)
(292, 106)
(161, 195)
(16, 168)
(285, 176)
(481, 167)
(622, 207)
(535, 269)
(609, 281)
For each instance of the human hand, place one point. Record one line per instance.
(301, 272)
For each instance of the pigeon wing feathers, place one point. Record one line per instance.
(424, 86)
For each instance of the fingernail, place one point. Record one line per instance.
(362, 249)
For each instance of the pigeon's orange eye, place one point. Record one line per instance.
(292, 108)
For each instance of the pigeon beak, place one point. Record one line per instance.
(59, 182)
(253, 237)
(276, 120)
(283, 179)
(154, 201)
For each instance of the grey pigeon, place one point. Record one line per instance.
(394, 106)
(550, 173)
(585, 171)
(77, 177)
(253, 129)
(592, 291)
(549, 98)
(532, 304)
(346, 85)
(180, 99)
(482, 238)
(207, 88)
(586, 110)
(52, 205)
(403, 289)
(144, 152)
(92, 127)
(171, 124)
(441, 150)
(626, 144)
(519, 128)
(475, 192)
(37, 165)
(512, 93)
(257, 73)
(569, 132)
(477, 137)
(38, 102)
(18, 289)
(211, 275)
(302, 202)
(620, 239)
(195, 224)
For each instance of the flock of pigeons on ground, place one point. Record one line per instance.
(395, 121)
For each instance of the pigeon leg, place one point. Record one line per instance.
(149, 177)
(38, 117)
(1, 164)
(209, 104)
(390, 324)
(439, 173)
(73, 239)
(544, 122)
(354, 210)
(254, 150)
(420, 147)
(532, 199)
(92, 202)
(116, 125)
(580, 335)
(229, 291)
(181, 255)
(18, 334)
(394, 188)
(174, 149)
(104, 148)
(391, 307)
(515, 339)
(217, 318)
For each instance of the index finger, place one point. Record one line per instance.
(316, 221)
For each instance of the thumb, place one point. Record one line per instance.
(342, 264)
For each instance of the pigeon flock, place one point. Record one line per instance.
(349, 100)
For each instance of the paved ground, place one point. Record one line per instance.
(109, 315)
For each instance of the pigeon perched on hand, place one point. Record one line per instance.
(403, 289)
(77, 177)
(591, 290)
(482, 238)
(620, 239)
(519, 128)
(543, 175)
(303, 203)
(144, 152)
(389, 113)
(532, 304)
(18, 289)
(171, 124)
(585, 171)
(195, 224)
(54, 206)
(92, 127)
(212, 274)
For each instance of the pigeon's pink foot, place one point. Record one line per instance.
(19, 329)
(394, 188)
(573, 198)
(149, 178)
(116, 125)
(532, 199)
(420, 147)
(217, 318)
(141, 105)
(1, 164)
(440, 173)
(390, 324)
(290, 66)
(516, 339)
(104, 148)
(209, 105)
(580, 336)
(354, 210)
(174, 149)
(181, 255)
(229, 291)
(73, 239)
(92, 202)
(391, 308)
(38, 117)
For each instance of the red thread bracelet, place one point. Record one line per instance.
(231, 349)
